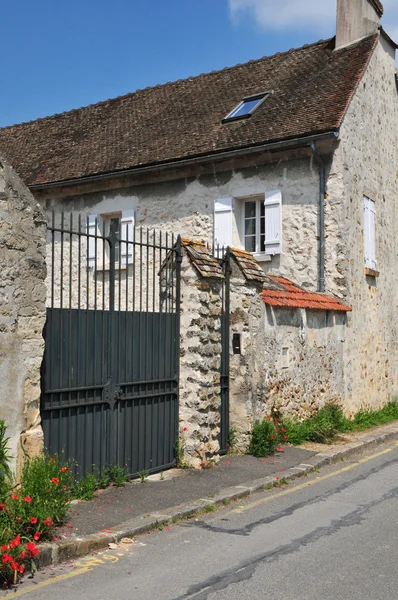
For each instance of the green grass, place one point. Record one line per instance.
(209, 508)
(325, 426)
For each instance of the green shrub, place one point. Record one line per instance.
(264, 438)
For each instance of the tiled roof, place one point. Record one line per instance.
(292, 296)
(312, 87)
(248, 264)
(202, 258)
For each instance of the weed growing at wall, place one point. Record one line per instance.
(5, 472)
(330, 421)
(324, 427)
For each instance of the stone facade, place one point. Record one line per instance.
(186, 206)
(22, 313)
(365, 163)
(291, 360)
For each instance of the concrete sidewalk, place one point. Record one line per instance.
(138, 507)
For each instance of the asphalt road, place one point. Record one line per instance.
(329, 536)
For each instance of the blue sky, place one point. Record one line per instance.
(56, 56)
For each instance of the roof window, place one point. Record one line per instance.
(246, 107)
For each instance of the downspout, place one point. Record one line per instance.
(322, 194)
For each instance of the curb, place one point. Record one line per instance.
(59, 552)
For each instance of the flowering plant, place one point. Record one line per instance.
(30, 512)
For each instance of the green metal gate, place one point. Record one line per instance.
(110, 373)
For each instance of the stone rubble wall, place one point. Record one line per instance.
(22, 314)
(200, 361)
(291, 361)
(365, 163)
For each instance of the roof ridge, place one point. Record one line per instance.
(167, 84)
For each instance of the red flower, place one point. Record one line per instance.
(33, 520)
(55, 480)
(32, 549)
(14, 566)
(279, 449)
(276, 429)
(23, 554)
(15, 542)
(285, 437)
(37, 536)
(64, 469)
(2, 506)
(272, 437)
(47, 521)
(268, 417)
(6, 558)
(14, 497)
(276, 478)
(185, 429)
(4, 548)
(52, 459)
(28, 499)
(21, 569)
(283, 430)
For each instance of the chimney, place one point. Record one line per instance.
(357, 19)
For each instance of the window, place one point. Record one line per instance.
(370, 233)
(254, 223)
(100, 226)
(261, 231)
(246, 107)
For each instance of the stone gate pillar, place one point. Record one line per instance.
(200, 355)
(22, 314)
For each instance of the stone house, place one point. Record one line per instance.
(292, 161)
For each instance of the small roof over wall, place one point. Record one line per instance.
(290, 295)
(202, 258)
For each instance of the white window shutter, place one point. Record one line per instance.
(369, 226)
(127, 235)
(223, 222)
(92, 229)
(273, 222)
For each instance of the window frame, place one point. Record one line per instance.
(258, 199)
(231, 115)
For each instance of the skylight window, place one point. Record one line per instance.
(246, 107)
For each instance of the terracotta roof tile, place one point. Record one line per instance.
(248, 264)
(312, 86)
(202, 258)
(293, 296)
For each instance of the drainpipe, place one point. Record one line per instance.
(322, 193)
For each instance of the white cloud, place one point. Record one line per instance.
(305, 15)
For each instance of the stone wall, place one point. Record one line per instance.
(186, 206)
(366, 164)
(22, 313)
(200, 360)
(291, 360)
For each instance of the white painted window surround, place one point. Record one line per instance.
(258, 219)
(369, 209)
(100, 224)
